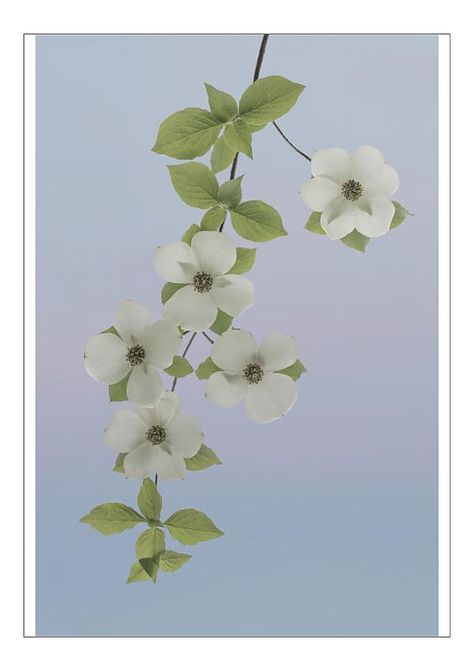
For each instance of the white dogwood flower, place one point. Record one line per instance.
(203, 268)
(351, 191)
(250, 372)
(155, 440)
(135, 350)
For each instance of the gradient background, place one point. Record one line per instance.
(330, 515)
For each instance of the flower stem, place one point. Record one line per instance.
(207, 337)
(308, 158)
(186, 349)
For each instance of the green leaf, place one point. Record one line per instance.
(268, 99)
(213, 218)
(150, 544)
(137, 573)
(179, 368)
(222, 155)
(399, 215)
(169, 289)
(150, 566)
(255, 220)
(111, 329)
(244, 261)
(172, 561)
(190, 526)
(187, 133)
(112, 518)
(205, 458)
(239, 138)
(223, 105)
(118, 468)
(195, 184)
(190, 233)
(222, 322)
(295, 371)
(230, 193)
(356, 240)
(314, 224)
(149, 500)
(118, 391)
(206, 369)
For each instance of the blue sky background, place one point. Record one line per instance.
(330, 514)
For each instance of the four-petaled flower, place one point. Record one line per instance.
(351, 191)
(251, 372)
(155, 440)
(203, 267)
(135, 349)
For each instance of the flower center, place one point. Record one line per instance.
(202, 282)
(352, 190)
(156, 434)
(135, 355)
(253, 373)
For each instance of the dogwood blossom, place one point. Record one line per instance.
(155, 440)
(251, 373)
(203, 268)
(137, 347)
(351, 191)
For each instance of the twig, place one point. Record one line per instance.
(207, 337)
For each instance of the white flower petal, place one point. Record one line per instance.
(226, 389)
(214, 251)
(233, 350)
(140, 462)
(149, 416)
(132, 321)
(126, 431)
(378, 222)
(169, 466)
(339, 219)
(167, 408)
(277, 352)
(161, 342)
(176, 262)
(319, 192)
(104, 358)
(185, 435)
(191, 309)
(144, 386)
(233, 293)
(271, 398)
(365, 160)
(332, 163)
(381, 181)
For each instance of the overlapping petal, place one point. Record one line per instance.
(338, 220)
(215, 252)
(104, 358)
(271, 398)
(184, 434)
(277, 351)
(176, 262)
(144, 386)
(226, 389)
(332, 163)
(161, 342)
(233, 293)
(126, 431)
(140, 462)
(191, 309)
(132, 321)
(234, 350)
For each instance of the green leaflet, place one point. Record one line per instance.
(150, 566)
(206, 369)
(223, 105)
(172, 561)
(356, 240)
(230, 192)
(179, 368)
(150, 544)
(195, 184)
(295, 371)
(187, 134)
(244, 261)
(149, 500)
(111, 329)
(190, 526)
(118, 391)
(213, 218)
(169, 289)
(314, 224)
(255, 220)
(399, 215)
(112, 518)
(205, 458)
(137, 573)
(238, 137)
(221, 156)
(190, 233)
(222, 323)
(118, 468)
(268, 99)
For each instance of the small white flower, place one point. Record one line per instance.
(155, 440)
(139, 346)
(249, 372)
(351, 191)
(202, 267)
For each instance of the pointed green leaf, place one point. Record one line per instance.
(190, 526)
(118, 468)
(230, 193)
(294, 371)
(223, 105)
(190, 233)
(222, 155)
(150, 566)
(314, 224)
(118, 391)
(206, 369)
(172, 561)
(205, 458)
(400, 214)
(239, 138)
(213, 218)
(187, 134)
(244, 261)
(268, 99)
(195, 184)
(222, 323)
(150, 544)
(111, 329)
(356, 240)
(179, 368)
(169, 289)
(255, 220)
(137, 573)
(112, 518)
(149, 500)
